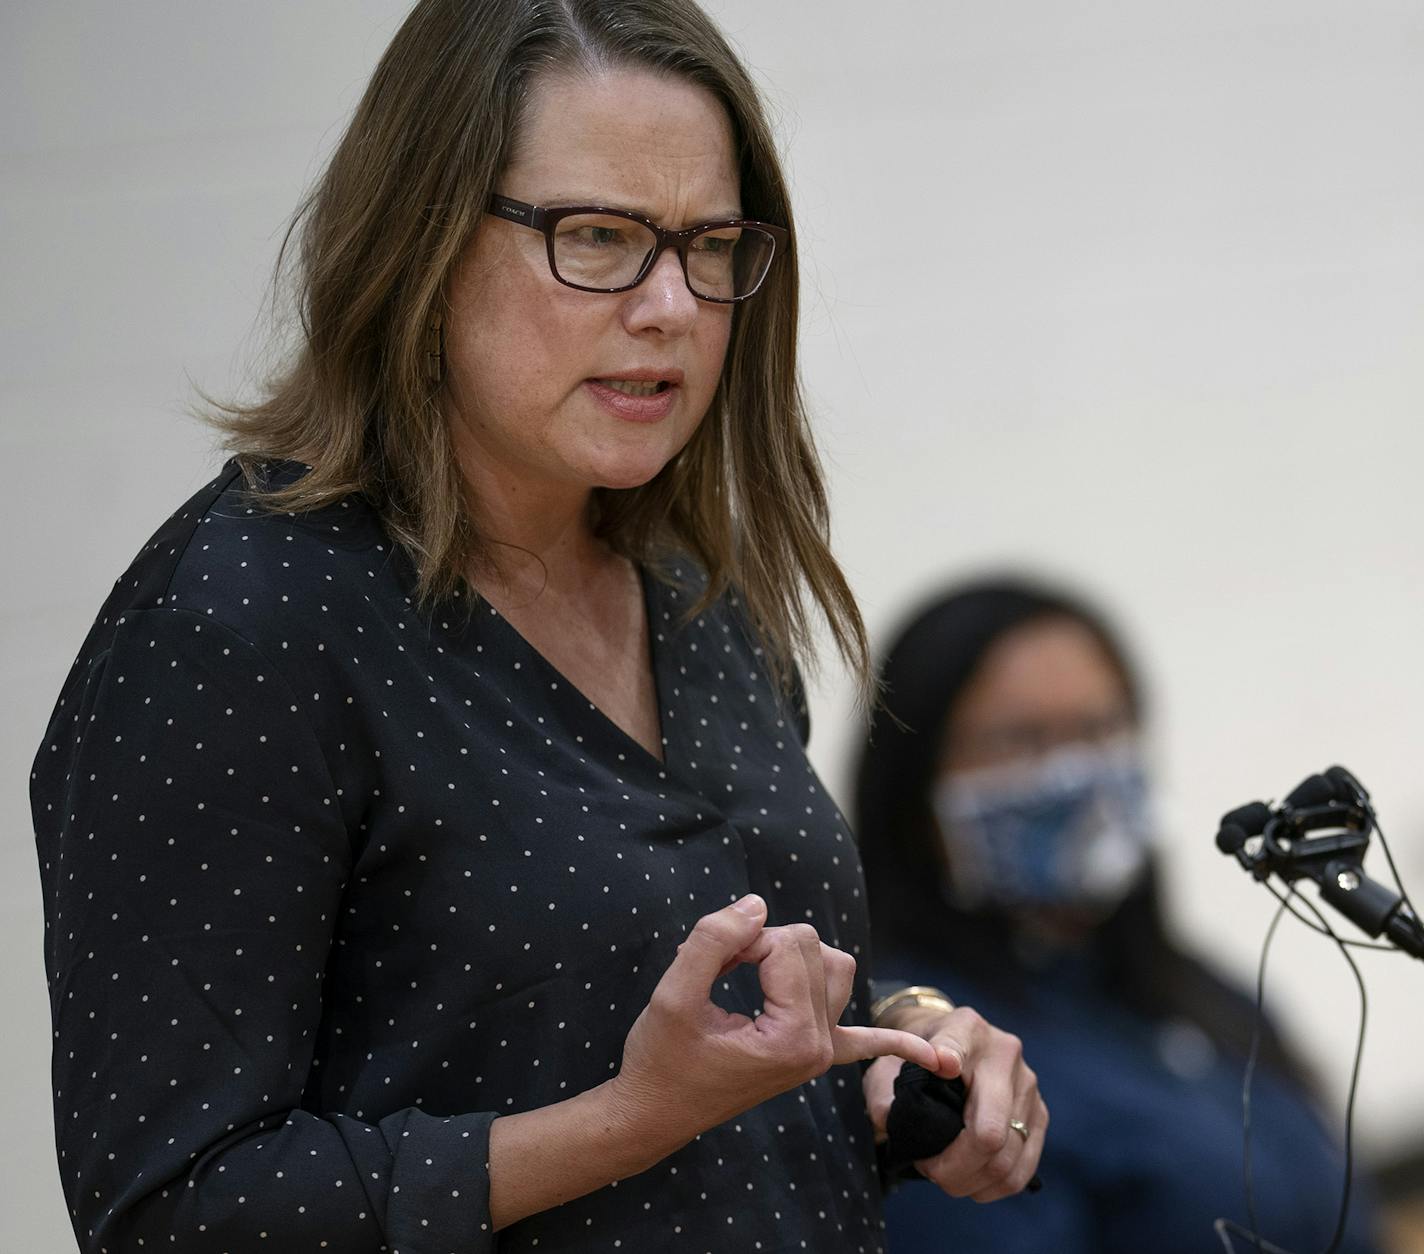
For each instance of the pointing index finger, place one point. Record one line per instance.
(856, 1044)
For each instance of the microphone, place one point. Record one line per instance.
(1334, 783)
(1348, 786)
(1239, 825)
(1315, 790)
(1321, 832)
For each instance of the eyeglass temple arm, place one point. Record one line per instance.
(517, 211)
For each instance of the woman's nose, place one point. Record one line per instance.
(662, 301)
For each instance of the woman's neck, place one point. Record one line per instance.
(537, 536)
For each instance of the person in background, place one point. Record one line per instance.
(1004, 813)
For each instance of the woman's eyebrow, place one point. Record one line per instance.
(560, 200)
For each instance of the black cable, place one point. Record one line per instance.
(1250, 1074)
(1224, 1228)
(1354, 1080)
(1389, 858)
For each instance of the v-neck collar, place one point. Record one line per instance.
(631, 747)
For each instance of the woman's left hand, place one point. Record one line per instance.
(990, 1159)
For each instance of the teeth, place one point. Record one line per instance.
(629, 388)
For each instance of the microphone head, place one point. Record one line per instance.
(1316, 790)
(1240, 824)
(1348, 788)
(1250, 818)
(1230, 838)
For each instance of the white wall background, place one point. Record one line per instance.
(1163, 338)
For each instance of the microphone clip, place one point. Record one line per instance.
(1302, 842)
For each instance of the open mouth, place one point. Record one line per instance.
(630, 387)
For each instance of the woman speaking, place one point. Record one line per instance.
(429, 846)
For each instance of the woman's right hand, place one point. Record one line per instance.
(689, 1065)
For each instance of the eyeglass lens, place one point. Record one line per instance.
(602, 251)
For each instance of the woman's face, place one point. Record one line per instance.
(1041, 686)
(1041, 799)
(529, 361)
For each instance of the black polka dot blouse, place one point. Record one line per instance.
(331, 884)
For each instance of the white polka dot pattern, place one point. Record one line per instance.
(330, 886)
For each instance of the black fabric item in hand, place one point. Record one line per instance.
(927, 1113)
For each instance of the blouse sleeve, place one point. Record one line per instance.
(194, 857)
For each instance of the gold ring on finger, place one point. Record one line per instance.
(1019, 1126)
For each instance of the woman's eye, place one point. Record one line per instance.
(596, 236)
(714, 245)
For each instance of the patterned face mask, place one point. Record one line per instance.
(1069, 829)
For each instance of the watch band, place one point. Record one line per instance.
(912, 995)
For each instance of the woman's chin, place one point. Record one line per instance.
(626, 483)
(627, 470)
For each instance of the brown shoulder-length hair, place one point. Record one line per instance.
(379, 235)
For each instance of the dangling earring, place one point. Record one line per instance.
(435, 351)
